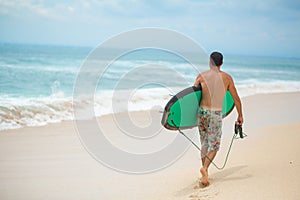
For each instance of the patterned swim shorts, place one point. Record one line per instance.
(210, 130)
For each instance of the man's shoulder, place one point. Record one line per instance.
(226, 75)
(204, 73)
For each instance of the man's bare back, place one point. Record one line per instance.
(214, 84)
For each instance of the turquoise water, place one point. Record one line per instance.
(34, 71)
(37, 82)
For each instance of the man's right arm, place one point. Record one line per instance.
(237, 100)
(198, 80)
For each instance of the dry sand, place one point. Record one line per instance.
(50, 162)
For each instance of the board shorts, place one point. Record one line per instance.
(210, 130)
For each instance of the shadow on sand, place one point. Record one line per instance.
(222, 176)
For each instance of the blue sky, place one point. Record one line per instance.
(255, 27)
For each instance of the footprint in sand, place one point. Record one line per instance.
(204, 193)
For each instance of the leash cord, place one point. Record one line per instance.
(195, 145)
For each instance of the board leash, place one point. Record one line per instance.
(236, 135)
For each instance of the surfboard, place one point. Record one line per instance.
(181, 111)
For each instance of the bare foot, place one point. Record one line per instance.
(204, 179)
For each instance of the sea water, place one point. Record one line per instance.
(37, 81)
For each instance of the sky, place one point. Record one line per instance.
(249, 27)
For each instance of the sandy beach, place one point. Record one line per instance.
(49, 162)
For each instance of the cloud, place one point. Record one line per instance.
(19, 8)
(229, 24)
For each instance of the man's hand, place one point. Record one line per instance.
(240, 120)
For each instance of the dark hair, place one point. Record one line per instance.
(216, 58)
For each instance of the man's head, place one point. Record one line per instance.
(216, 59)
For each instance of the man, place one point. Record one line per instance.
(214, 84)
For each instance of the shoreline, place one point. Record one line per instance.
(264, 95)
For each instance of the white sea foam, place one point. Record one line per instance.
(252, 87)
(21, 112)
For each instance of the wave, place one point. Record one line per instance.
(50, 68)
(253, 86)
(17, 112)
(21, 112)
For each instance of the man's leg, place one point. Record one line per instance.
(205, 165)
(203, 153)
(211, 156)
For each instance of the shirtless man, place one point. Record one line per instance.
(214, 84)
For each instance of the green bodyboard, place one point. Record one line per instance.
(182, 110)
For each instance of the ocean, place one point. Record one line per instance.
(37, 81)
